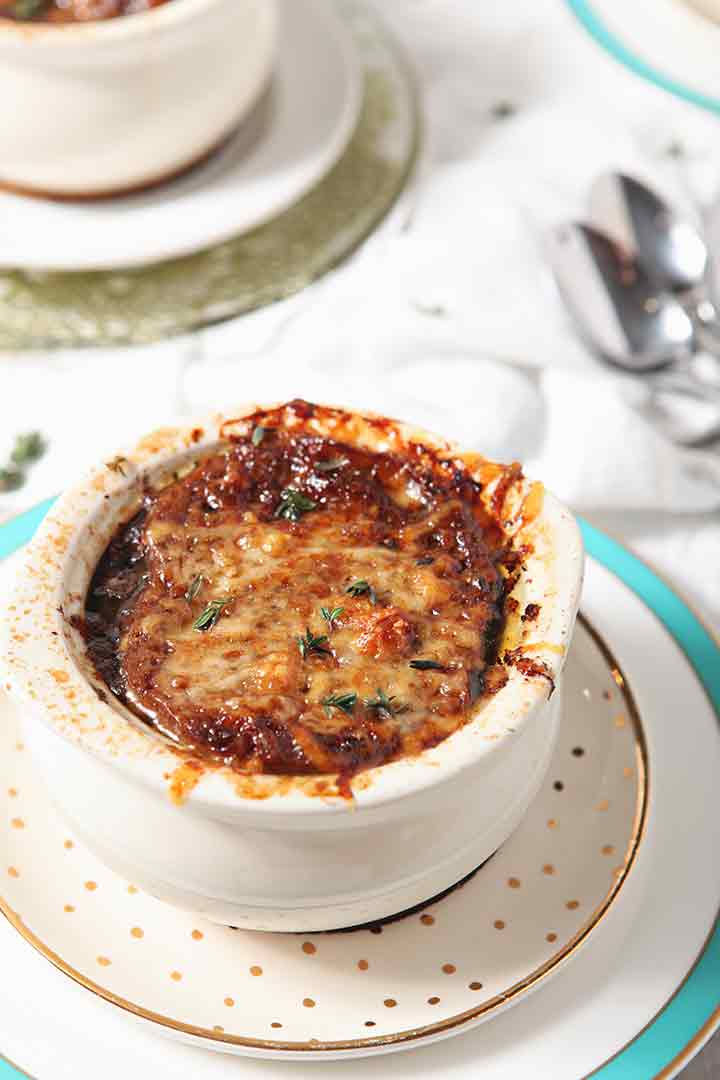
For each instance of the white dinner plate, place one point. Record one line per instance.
(667, 42)
(296, 134)
(639, 998)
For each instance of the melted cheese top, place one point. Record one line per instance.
(300, 605)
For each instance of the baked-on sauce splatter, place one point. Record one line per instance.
(299, 605)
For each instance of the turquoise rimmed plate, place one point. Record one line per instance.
(637, 1004)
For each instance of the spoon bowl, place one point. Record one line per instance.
(616, 307)
(670, 249)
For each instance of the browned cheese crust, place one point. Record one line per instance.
(297, 604)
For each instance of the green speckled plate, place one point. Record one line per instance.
(111, 307)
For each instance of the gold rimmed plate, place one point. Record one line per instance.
(461, 960)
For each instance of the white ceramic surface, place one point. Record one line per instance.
(464, 959)
(104, 106)
(288, 859)
(296, 134)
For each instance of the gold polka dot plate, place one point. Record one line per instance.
(589, 920)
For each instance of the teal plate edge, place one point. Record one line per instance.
(588, 17)
(696, 1004)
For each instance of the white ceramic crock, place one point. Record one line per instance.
(100, 107)
(268, 852)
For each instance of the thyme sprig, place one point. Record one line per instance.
(330, 615)
(28, 449)
(362, 588)
(346, 702)
(390, 706)
(426, 665)
(293, 504)
(310, 643)
(331, 464)
(194, 588)
(211, 613)
(28, 9)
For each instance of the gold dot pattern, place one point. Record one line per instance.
(459, 993)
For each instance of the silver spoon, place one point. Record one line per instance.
(623, 317)
(669, 248)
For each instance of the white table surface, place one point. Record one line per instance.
(530, 54)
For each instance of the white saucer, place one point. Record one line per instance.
(635, 958)
(302, 127)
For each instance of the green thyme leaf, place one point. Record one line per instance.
(331, 614)
(346, 702)
(426, 560)
(384, 704)
(259, 434)
(293, 504)
(361, 588)
(476, 685)
(331, 464)
(28, 449)
(28, 9)
(311, 643)
(426, 665)
(210, 615)
(194, 588)
(11, 478)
